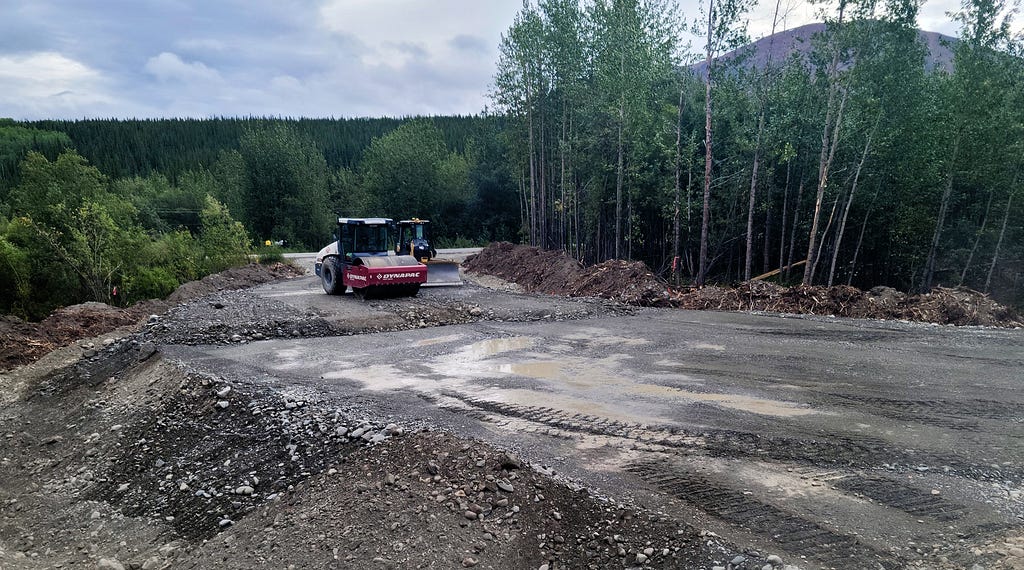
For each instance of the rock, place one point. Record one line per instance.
(377, 438)
(225, 523)
(470, 515)
(357, 433)
(738, 560)
(116, 427)
(510, 462)
(223, 391)
(774, 560)
(641, 558)
(110, 564)
(122, 487)
(223, 404)
(89, 353)
(650, 552)
(393, 429)
(236, 338)
(152, 563)
(108, 341)
(469, 562)
(476, 312)
(767, 567)
(183, 486)
(244, 490)
(543, 567)
(95, 515)
(504, 485)
(146, 350)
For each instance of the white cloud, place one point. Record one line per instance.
(169, 67)
(51, 84)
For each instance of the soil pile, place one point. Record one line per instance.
(555, 273)
(959, 306)
(24, 342)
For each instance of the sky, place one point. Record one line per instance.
(72, 59)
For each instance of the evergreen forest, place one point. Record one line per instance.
(854, 161)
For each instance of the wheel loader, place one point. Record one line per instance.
(414, 240)
(360, 260)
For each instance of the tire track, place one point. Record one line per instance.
(794, 534)
(835, 450)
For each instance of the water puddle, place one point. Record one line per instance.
(740, 402)
(437, 340)
(491, 347)
(705, 346)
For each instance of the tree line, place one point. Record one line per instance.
(70, 232)
(848, 164)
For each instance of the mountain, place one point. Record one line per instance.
(799, 41)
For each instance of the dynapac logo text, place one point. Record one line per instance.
(356, 277)
(386, 276)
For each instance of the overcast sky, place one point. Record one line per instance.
(312, 58)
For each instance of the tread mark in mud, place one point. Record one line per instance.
(902, 497)
(795, 535)
(835, 451)
(952, 414)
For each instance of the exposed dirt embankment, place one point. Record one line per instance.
(632, 282)
(24, 342)
(555, 273)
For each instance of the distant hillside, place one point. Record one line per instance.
(798, 40)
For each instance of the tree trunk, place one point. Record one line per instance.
(676, 192)
(999, 242)
(796, 223)
(828, 139)
(828, 152)
(977, 239)
(947, 192)
(785, 213)
(748, 261)
(849, 202)
(706, 216)
(619, 174)
(533, 176)
(860, 238)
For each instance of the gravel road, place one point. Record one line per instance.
(836, 443)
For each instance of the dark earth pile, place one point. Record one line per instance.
(555, 273)
(632, 282)
(24, 342)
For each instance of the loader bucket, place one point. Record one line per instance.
(442, 273)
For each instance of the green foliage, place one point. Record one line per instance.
(223, 241)
(16, 141)
(286, 186)
(270, 254)
(152, 283)
(411, 173)
(15, 272)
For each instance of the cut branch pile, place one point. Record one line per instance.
(632, 282)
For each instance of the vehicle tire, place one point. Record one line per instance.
(330, 277)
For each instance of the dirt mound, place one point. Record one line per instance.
(632, 282)
(234, 278)
(555, 273)
(23, 342)
(959, 306)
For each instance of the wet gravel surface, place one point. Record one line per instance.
(888, 443)
(480, 426)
